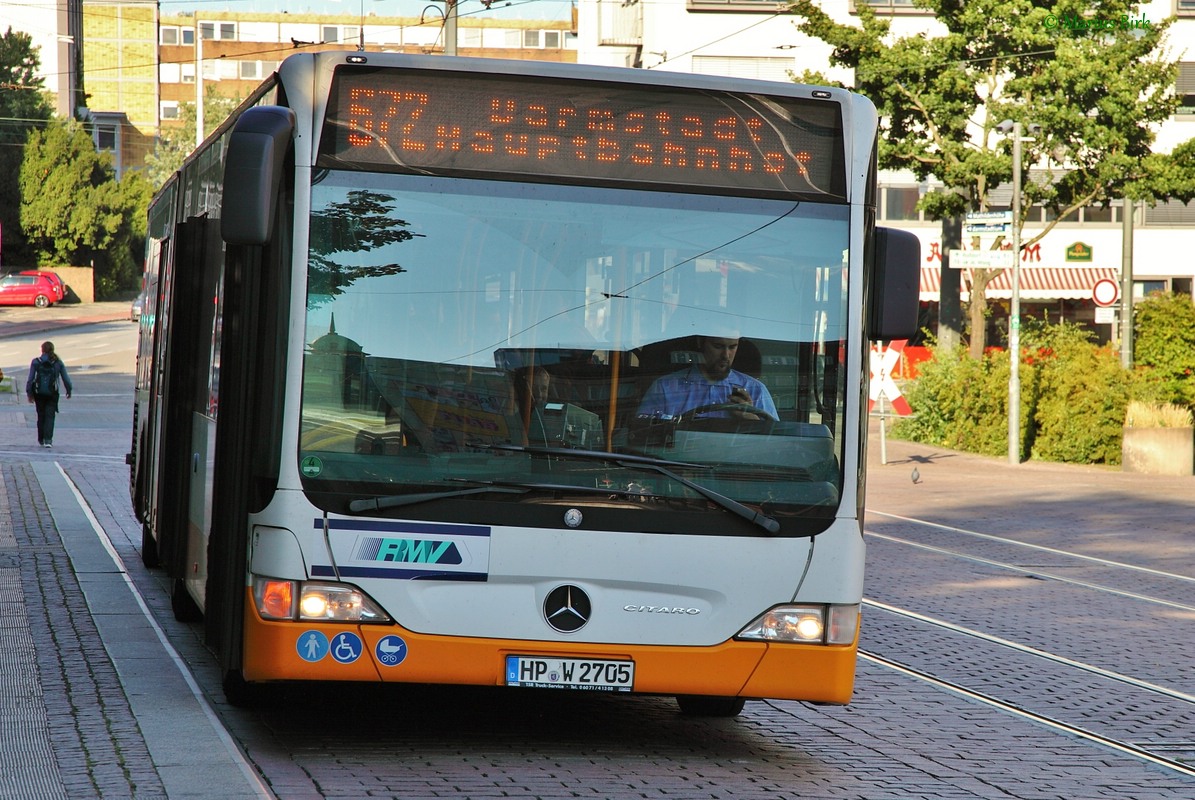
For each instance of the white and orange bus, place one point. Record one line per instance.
(397, 413)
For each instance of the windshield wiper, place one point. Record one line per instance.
(657, 465)
(398, 500)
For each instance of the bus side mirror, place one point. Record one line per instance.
(896, 284)
(252, 170)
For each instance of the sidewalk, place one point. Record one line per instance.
(94, 702)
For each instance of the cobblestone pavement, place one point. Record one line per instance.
(92, 705)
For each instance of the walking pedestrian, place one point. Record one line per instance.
(41, 388)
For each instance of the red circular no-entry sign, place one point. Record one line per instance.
(1106, 292)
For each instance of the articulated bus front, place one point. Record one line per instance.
(576, 401)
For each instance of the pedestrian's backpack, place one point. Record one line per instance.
(47, 378)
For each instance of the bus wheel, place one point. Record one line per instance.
(241, 693)
(149, 548)
(700, 705)
(185, 609)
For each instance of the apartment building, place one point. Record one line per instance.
(141, 66)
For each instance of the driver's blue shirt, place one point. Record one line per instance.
(674, 394)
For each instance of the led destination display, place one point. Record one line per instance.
(441, 123)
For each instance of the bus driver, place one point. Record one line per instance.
(711, 381)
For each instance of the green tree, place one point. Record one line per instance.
(1097, 95)
(75, 212)
(24, 106)
(175, 144)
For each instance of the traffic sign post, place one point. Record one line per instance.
(1105, 293)
(883, 362)
(980, 259)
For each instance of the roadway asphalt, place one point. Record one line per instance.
(93, 702)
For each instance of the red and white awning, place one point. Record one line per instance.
(1037, 283)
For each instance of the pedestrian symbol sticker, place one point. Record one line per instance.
(346, 647)
(311, 466)
(312, 646)
(391, 651)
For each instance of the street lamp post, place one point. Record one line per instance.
(1014, 312)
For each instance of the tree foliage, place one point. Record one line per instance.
(75, 212)
(175, 144)
(24, 106)
(1096, 95)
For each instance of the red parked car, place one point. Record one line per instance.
(59, 286)
(34, 289)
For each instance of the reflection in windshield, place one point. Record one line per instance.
(454, 324)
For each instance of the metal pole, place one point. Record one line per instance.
(1014, 314)
(198, 85)
(1126, 285)
(450, 27)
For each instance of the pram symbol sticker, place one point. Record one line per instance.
(390, 651)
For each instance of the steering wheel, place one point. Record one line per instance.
(689, 420)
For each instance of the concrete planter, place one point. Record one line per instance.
(1158, 451)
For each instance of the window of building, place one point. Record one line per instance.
(1185, 8)
(1185, 87)
(900, 203)
(531, 39)
(552, 39)
(1170, 212)
(1051, 216)
(768, 68)
(223, 31)
(1098, 214)
(746, 6)
(340, 34)
(187, 72)
(105, 137)
(188, 36)
(169, 73)
(168, 109)
(168, 34)
(889, 6)
(251, 70)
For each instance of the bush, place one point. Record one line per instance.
(960, 402)
(1164, 349)
(1080, 399)
(1073, 398)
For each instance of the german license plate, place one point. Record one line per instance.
(570, 673)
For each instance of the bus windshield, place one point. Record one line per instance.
(520, 344)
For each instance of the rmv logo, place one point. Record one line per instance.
(410, 551)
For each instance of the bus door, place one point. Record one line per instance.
(184, 387)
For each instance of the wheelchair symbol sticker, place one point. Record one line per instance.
(346, 647)
(312, 646)
(391, 651)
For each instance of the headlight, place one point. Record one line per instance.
(805, 624)
(312, 601)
